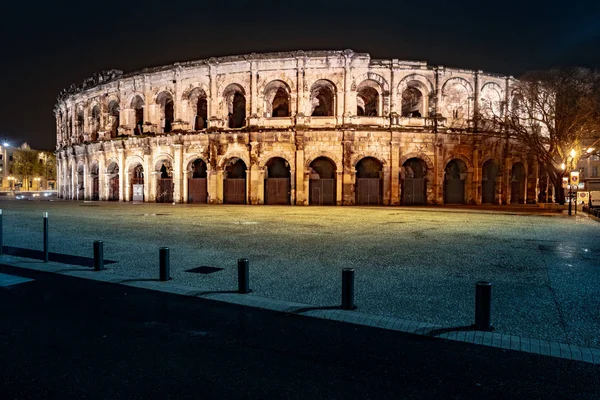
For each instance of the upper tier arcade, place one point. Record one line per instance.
(299, 90)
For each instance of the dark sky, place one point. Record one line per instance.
(46, 46)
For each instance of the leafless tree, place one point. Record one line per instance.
(549, 113)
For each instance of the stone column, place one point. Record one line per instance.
(393, 87)
(260, 187)
(211, 176)
(253, 89)
(213, 96)
(86, 181)
(346, 112)
(339, 184)
(507, 176)
(152, 186)
(394, 171)
(177, 173)
(301, 192)
(476, 196)
(147, 177)
(220, 195)
(306, 185)
(386, 186)
(101, 176)
(185, 190)
(123, 174)
(300, 83)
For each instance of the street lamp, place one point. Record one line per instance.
(570, 160)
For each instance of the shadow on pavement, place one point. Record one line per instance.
(54, 257)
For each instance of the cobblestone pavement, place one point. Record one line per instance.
(417, 264)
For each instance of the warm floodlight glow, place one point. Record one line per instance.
(563, 166)
(591, 149)
(572, 153)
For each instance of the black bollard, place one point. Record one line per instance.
(1, 239)
(46, 236)
(98, 255)
(483, 306)
(243, 275)
(348, 289)
(164, 261)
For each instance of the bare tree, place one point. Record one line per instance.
(26, 164)
(549, 112)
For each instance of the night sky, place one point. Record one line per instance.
(46, 46)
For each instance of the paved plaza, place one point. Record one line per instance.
(415, 263)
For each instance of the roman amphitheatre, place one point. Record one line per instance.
(296, 128)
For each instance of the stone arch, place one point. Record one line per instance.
(222, 163)
(276, 154)
(415, 93)
(358, 157)
(113, 176)
(114, 117)
(369, 181)
(461, 157)
(322, 182)
(490, 101)
(189, 160)
(335, 160)
(192, 170)
(164, 167)
(166, 102)
(197, 180)
(421, 156)
(369, 98)
(278, 188)
(197, 104)
(457, 94)
(136, 98)
(94, 171)
(455, 180)
(137, 104)
(277, 99)
(81, 171)
(323, 98)
(490, 180)
(416, 175)
(132, 161)
(372, 76)
(234, 180)
(234, 96)
(161, 159)
(136, 176)
(518, 180)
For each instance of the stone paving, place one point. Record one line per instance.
(412, 264)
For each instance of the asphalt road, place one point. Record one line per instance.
(64, 337)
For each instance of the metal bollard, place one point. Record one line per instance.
(164, 263)
(348, 289)
(98, 255)
(46, 236)
(243, 276)
(483, 306)
(1, 239)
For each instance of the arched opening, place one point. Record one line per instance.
(454, 182)
(517, 184)
(412, 103)
(113, 181)
(80, 182)
(414, 185)
(94, 177)
(489, 175)
(137, 104)
(277, 99)
(136, 179)
(234, 182)
(367, 99)
(114, 117)
(201, 113)
(456, 95)
(165, 100)
(95, 122)
(369, 181)
(80, 124)
(236, 106)
(322, 183)
(277, 181)
(322, 99)
(165, 185)
(197, 182)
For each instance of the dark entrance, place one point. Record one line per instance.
(234, 183)
(369, 182)
(322, 184)
(137, 178)
(414, 186)
(113, 182)
(517, 184)
(277, 182)
(164, 187)
(95, 182)
(197, 184)
(488, 182)
(80, 186)
(454, 182)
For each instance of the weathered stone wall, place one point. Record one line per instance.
(339, 105)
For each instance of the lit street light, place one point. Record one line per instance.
(570, 159)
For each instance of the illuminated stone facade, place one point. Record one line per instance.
(318, 127)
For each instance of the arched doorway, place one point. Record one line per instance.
(165, 185)
(322, 182)
(454, 182)
(277, 181)
(369, 181)
(95, 182)
(136, 179)
(80, 186)
(234, 182)
(517, 184)
(197, 182)
(414, 185)
(322, 99)
(113, 181)
(165, 101)
(488, 182)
